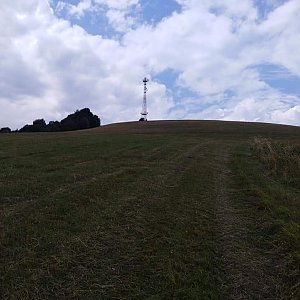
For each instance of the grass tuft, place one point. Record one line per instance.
(280, 158)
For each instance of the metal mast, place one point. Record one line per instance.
(144, 112)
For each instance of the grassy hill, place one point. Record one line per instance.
(152, 210)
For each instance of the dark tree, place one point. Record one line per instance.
(54, 126)
(67, 125)
(39, 125)
(27, 128)
(83, 123)
(95, 121)
(5, 130)
(80, 119)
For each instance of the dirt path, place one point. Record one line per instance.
(248, 271)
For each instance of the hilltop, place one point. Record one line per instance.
(160, 210)
(201, 127)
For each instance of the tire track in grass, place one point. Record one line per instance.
(181, 256)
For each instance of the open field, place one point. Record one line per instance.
(150, 210)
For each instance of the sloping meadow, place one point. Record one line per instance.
(159, 210)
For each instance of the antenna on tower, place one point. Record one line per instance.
(144, 112)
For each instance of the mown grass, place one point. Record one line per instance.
(110, 217)
(103, 215)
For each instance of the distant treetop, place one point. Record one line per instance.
(5, 130)
(80, 119)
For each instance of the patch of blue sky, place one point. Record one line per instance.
(54, 3)
(93, 22)
(153, 11)
(169, 78)
(264, 7)
(228, 94)
(96, 22)
(279, 78)
(183, 92)
(217, 10)
(184, 97)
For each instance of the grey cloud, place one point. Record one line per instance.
(17, 77)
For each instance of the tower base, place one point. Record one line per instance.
(143, 116)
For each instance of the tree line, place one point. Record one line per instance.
(80, 119)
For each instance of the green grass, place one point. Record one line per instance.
(281, 193)
(134, 213)
(271, 193)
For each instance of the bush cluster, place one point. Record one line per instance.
(80, 119)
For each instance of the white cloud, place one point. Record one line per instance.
(289, 115)
(78, 10)
(282, 32)
(117, 4)
(50, 68)
(118, 12)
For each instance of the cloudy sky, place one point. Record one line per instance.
(208, 59)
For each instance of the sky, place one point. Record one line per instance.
(208, 59)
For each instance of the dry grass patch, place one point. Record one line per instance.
(280, 158)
